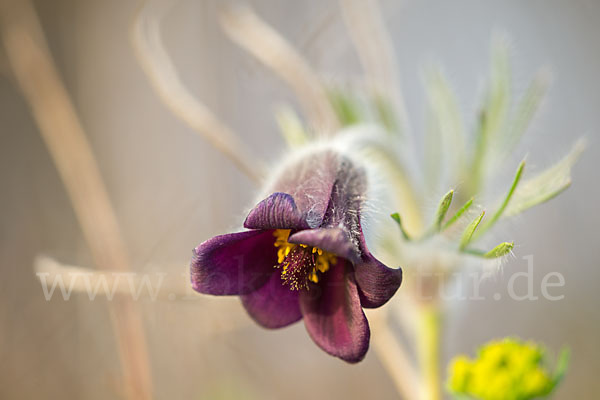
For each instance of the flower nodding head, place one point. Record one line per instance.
(307, 234)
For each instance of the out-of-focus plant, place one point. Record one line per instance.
(471, 164)
(508, 369)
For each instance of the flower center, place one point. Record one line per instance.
(300, 263)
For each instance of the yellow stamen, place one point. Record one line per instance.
(320, 262)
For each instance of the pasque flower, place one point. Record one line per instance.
(304, 256)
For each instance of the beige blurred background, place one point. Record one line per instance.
(171, 190)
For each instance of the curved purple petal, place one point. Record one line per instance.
(333, 240)
(237, 263)
(333, 315)
(278, 211)
(273, 305)
(376, 282)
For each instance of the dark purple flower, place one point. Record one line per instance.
(304, 257)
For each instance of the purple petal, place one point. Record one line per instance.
(278, 211)
(237, 263)
(273, 305)
(333, 240)
(376, 282)
(333, 315)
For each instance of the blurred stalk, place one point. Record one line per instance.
(393, 355)
(428, 339)
(60, 128)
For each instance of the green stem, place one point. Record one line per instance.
(429, 351)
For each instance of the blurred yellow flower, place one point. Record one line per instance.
(507, 369)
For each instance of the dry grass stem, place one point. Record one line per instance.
(220, 317)
(60, 128)
(158, 67)
(251, 33)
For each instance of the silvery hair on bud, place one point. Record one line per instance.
(307, 166)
